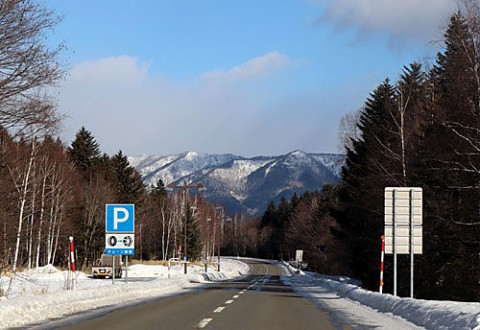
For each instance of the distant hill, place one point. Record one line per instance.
(239, 183)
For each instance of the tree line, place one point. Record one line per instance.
(420, 131)
(51, 191)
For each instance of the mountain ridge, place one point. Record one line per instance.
(239, 183)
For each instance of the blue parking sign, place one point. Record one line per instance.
(120, 218)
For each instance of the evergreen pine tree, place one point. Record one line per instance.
(130, 188)
(159, 190)
(369, 169)
(193, 236)
(84, 150)
(450, 171)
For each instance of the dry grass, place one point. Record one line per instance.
(148, 262)
(159, 262)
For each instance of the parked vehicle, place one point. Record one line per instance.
(103, 267)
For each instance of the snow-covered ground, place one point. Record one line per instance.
(427, 314)
(39, 295)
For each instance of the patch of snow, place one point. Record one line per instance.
(424, 314)
(39, 295)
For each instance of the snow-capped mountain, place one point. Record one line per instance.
(239, 183)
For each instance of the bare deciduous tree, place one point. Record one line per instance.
(27, 65)
(348, 130)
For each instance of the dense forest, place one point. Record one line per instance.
(422, 130)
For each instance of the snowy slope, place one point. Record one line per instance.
(239, 183)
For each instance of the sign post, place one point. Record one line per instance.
(298, 257)
(120, 231)
(403, 226)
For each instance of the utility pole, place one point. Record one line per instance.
(220, 231)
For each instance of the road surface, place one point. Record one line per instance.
(259, 300)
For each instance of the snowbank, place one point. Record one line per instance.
(39, 294)
(426, 313)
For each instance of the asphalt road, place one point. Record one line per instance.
(258, 301)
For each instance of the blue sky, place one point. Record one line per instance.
(245, 77)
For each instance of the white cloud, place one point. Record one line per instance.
(403, 19)
(253, 69)
(127, 107)
(121, 69)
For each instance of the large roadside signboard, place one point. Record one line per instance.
(403, 226)
(120, 229)
(403, 220)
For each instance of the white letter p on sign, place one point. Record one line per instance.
(117, 211)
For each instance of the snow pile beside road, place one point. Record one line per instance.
(426, 313)
(39, 295)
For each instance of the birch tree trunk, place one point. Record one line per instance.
(50, 229)
(43, 196)
(31, 218)
(23, 191)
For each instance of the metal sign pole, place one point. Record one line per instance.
(412, 235)
(394, 240)
(113, 269)
(126, 269)
(382, 257)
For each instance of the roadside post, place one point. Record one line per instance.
(170, 264)
(382, 257)
(72, 263)
(119, 233)
(403, 226)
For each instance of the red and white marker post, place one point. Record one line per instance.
(72, 263)
(381, 263)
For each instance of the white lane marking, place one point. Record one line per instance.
(228, 302)
(219, 310)
(242, 292)
(236, 296)
(203, 323)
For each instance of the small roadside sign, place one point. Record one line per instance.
(120, 229)
(120, 218)
(123, 244)
(299, 255)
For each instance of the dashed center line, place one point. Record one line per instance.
(219, 310)
(203, 323)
